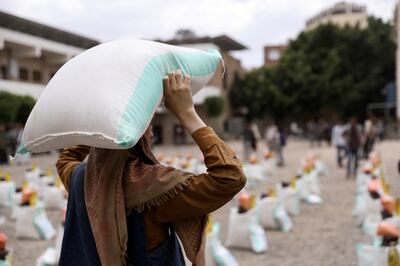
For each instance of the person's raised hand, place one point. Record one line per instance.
(178, 100)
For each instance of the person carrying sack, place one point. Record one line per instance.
(124, 207)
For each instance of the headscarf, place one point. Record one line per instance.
(120, 181)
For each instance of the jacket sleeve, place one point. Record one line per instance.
(209, 191)
(68, 160)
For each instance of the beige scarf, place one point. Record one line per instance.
(119, 181)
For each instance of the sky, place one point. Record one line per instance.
(254, 23)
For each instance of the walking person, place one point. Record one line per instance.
(370, 134)
(339, 141)
(274, 141)
(250, 140)
(125, 208)
(353, 139)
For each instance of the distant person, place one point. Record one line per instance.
(249, 140)
(353, 136)
(380, 128)
(315, 131)
(3, 145)
(283, 141)
(275, 141)
(339, 141)
(370, 135)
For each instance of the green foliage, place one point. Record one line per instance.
(214, 106)
(14, 108)
(24, 109)
(326, 71)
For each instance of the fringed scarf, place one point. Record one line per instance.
(120, 181)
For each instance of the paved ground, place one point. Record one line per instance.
(322, 235)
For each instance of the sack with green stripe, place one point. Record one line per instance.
(106, 96)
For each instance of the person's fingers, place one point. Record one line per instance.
(178, 78)
(166, 83)
(186, 81)
(172, 80)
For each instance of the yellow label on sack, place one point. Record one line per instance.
(58, 182)
(252, 200)
(209, 224)
(293, 182)
(25, 184)
(271, 192)
(33, 199)
(398, 206)
(8, 177)
(34, 166)
(49, 172)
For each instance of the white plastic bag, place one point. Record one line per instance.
(272, 215)
(17, 197)
(44, 226)
(314, 199)
(290, 199)
(321, 168)
(369, 255)
(48, 258)
(59, 239)
(25, 227)
(32, 223)
(7, 190)
(269, 167)
(245, 232)
(312, 181)
(52, 197)
(110, 93)
(216, 253)
(254, 172)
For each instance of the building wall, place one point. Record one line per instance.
(273, 53)
(341, 14)
(341, 20)
(29, 61)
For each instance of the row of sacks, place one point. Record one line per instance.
(307, 180)
(377, 213)
(47, 187)
(27, 204)
(255, 169)
(246, 228)
(270, 211)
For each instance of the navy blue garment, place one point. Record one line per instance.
(79, 247)
(168, 253)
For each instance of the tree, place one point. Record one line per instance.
(14, 108)
(326, 71)
(214, 106)
(24, 109)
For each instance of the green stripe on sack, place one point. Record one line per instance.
(149, 89)
(21, 149)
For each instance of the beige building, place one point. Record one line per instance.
(30, 53)
(166, 127)
(273, 54)
(341, 14)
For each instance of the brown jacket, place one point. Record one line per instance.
(204, 194)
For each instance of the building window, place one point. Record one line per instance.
(157, 134)
(23, 73)
(179, 136)
(4, 72)
(37, 76)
